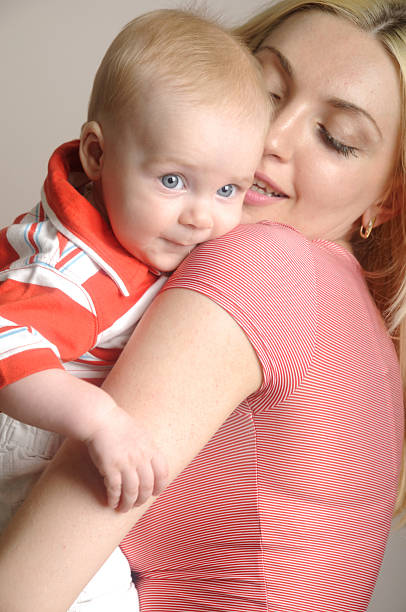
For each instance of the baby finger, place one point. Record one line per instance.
(113, 484)
(130, 489)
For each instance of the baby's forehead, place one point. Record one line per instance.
(207, 144)
(186, 115)
(167, 52)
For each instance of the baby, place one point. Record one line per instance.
(176, 125)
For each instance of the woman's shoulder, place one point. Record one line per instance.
(256, 253)
(262, 276)
(277, 248)
(271, 233)
(268, 262)
(268, 234)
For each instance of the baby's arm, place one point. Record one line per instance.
(132, 467)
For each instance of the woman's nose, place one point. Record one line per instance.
(283, 134)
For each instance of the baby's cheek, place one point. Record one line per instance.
(230, 222)
(246, 215)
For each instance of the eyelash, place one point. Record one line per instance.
(338, 146)
(274, 97)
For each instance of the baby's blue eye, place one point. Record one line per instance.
(226, 191)
(172, 181)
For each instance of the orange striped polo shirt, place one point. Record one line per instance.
(70, 294)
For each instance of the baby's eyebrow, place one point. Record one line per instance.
(284, 62)
(345, 105)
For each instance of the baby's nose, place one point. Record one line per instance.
(198, 215)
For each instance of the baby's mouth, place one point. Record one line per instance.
(265, 189)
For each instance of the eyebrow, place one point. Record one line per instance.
(284, 62)
(335, 102)
(338, 103)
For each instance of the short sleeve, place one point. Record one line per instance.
(45, 319)
(263, 276)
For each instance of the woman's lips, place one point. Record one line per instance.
(263, 192)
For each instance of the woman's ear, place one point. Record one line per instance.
(91, 149)
(387, 206)
(378, 213)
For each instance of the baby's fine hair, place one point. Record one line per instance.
(178, 53)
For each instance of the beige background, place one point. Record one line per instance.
(49, 51)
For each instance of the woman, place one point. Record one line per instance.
(287, 505)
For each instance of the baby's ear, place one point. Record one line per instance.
(91, 149)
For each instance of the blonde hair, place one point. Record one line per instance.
(383, 256)
(176, 52)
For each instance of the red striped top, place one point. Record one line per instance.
(288, 507)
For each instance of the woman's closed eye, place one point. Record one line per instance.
(172, 181)
(275, 97)
(335, 144)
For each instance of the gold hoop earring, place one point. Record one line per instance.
(365, 232)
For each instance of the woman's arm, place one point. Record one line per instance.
(187, 366)
(57, 401)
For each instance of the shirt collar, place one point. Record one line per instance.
(82, 223)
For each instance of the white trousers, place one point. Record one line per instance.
(25, 451)
(110, 590)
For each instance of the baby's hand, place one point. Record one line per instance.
(132, 467)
